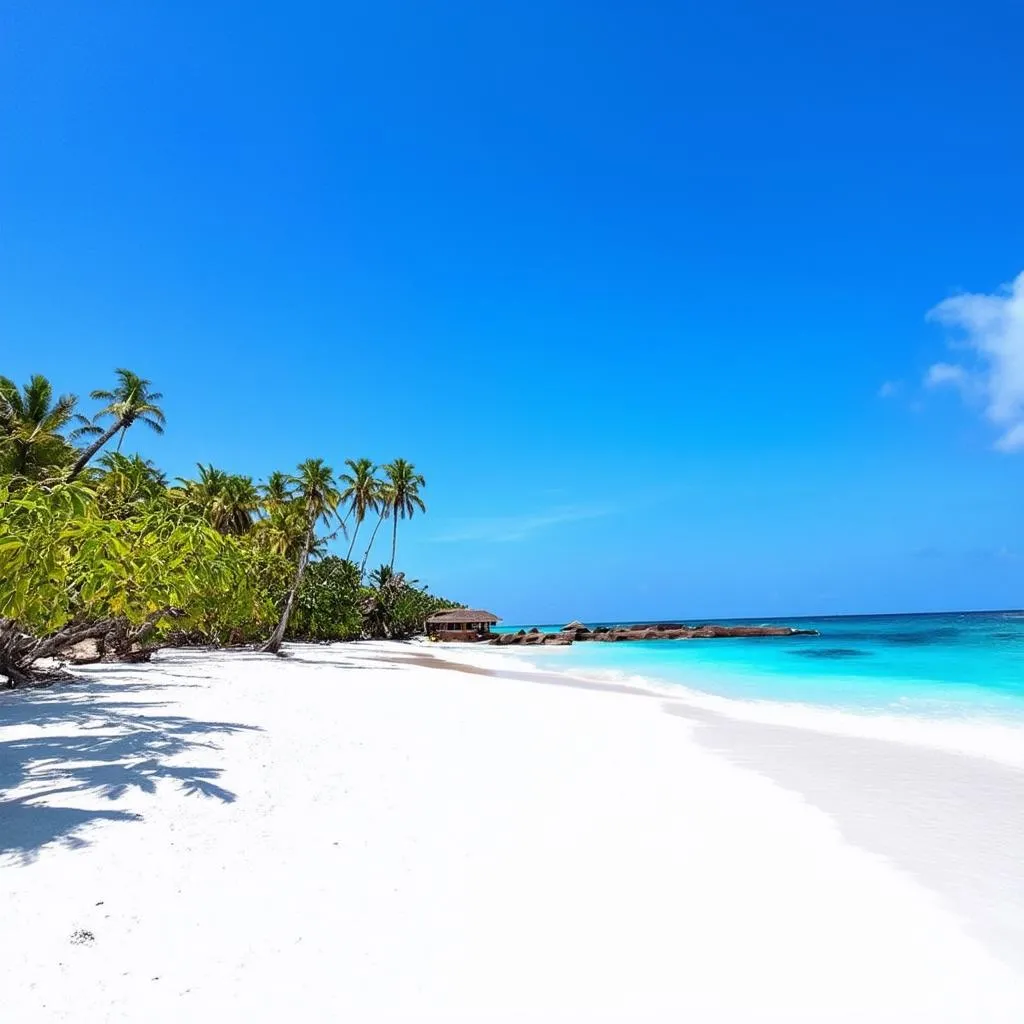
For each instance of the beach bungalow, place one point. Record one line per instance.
(461, 624)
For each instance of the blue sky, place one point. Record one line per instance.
(643, 289)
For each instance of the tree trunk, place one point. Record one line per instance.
(394, 539)
(15, 675)
(19, 651)
(273, 645)
(51, 647)
(373, 536)
(12, 651)
(352, 542)
(83, 459)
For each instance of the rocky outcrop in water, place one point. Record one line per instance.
(534, 638)
(576, 632)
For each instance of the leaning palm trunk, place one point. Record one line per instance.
(352, 542)
(83, 459)
(273, 645)
(394, 539)
(373, 537)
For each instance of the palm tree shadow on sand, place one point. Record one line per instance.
(112, 747)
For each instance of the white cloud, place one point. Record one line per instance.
(513, 528)
(1012, 440)
(945, 373)
(993, 335)
(890, 389)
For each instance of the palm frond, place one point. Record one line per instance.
(157, 426)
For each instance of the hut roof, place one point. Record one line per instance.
(575, 624)
(464, 615)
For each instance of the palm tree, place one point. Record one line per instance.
(319, 496)
(239, 500)
(31, 422)
(403, 485)
(227, 500)
(282, 528)
(126, 481)
(394, 606)
(199, 494)
(137, 472)
(131, 400)
(384, 510)
(277, 491)
(282, 531)
(361, 493)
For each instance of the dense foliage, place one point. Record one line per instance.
(335, 604)
(394, 607)
(99, 545)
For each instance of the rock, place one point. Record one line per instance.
(670, 631)
(748, 631)
(85, 652)
(138, 654)
(575, 630)
(657, 631)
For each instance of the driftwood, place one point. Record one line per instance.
(117, 640)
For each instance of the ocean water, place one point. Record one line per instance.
(966, 666)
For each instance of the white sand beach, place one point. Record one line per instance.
(349, 834)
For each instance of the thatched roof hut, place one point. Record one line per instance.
(461, 624)
(463, 616)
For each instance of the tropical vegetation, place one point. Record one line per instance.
(99, 545)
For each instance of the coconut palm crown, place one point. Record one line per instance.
(403, 496)
(133, 400)
(361, 493)
(32, 444)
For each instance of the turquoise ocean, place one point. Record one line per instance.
(965, 667)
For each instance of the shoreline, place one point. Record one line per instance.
(879, 791)
(992, 739)
(352, 831)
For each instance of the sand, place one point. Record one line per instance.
(352, 834)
